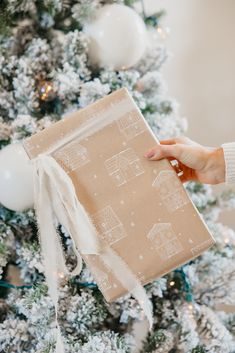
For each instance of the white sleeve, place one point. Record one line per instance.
(229, 156)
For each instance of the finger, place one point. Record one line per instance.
(171, 141)
(183, 178)
(177, 170)
(183, 173)
(187, 174)
(191, 156)
(164, 151)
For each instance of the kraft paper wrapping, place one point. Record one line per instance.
(138, 206)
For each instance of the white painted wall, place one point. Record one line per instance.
(201, 72)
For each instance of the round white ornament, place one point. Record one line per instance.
(16, 178)
(117, 37)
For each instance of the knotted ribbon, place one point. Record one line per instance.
(56, 203)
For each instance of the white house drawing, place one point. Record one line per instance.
(124, 166)
(73, 155)
(164, 240)
(131, 125)
(108, 225)
(170, 189)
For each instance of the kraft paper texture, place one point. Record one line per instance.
(138, 206)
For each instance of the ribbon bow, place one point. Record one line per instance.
(56, 202)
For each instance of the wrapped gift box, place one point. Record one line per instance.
(139, 207)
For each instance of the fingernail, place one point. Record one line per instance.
(149, 154)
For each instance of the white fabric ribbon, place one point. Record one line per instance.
(56, 202)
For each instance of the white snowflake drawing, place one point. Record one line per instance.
(109, 225)
(131, 125)
(170, 190)
(124, 166)
(73, 155)
(164, 240)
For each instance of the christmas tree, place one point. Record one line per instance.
(47, 70)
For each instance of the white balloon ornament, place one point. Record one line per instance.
(16, 178)
(117, 37)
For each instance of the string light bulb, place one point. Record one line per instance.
(163, 32)
(190, 306)
(46, 91)
(190, 309)
(61, 275)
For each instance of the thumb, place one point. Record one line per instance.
(191, 156)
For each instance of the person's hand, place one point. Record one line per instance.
(197, 162)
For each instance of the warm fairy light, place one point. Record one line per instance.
(163, 32)
(172, 283)
(226, 240)
(46, 90)
(191, 310)
(60, 275)
(190, 306)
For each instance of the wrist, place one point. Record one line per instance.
(217, 165)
